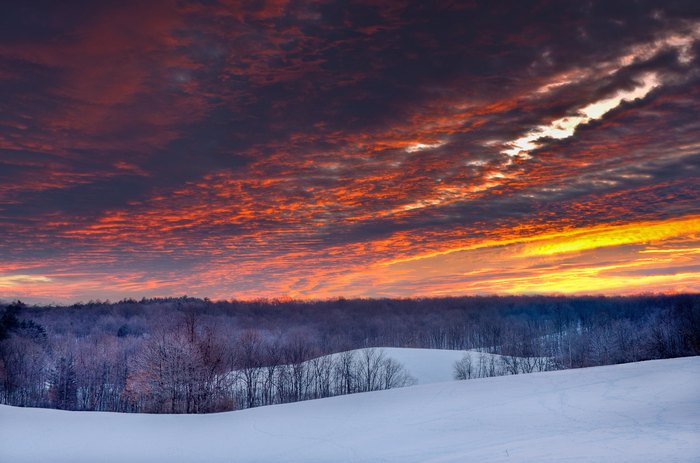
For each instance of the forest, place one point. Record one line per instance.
(190, 355)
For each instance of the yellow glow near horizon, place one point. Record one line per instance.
(590, 281)
(618, 270)
(9, 281)
(640, 232)
(578, 238)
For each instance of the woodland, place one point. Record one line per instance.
(191, 355)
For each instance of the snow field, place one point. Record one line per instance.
(642, 412)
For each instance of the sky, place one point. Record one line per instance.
(311, 150)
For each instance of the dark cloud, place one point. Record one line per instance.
(283, 139)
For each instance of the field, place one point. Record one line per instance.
(638, 412)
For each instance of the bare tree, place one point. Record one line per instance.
(63, 384)
(249, 363)
(345, 373)
(25, 372)
(272, 359)
(463, 368)
(295, 352)
(180, 370)
(321, 370)
(393, 374)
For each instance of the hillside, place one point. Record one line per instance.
(641, 412)
(427, 366)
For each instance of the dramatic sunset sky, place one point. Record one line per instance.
(235, 149)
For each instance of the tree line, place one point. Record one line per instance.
(188, 355)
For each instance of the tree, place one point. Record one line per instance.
(9, 320)
(249, 363)
(345, 373)
(23, 377)
(63, 389)
(295, 352)
(463, 368)
(181, 370)
(368, 368)
(393, 374)
(272, 356)
(321, 370)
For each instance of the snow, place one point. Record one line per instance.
(428, 366)
(425, 366)
(641, 412)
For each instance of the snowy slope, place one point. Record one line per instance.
(643, 412)
(424, 365)
(428, 366)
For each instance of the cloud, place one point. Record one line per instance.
(10, 281)
(287, 148)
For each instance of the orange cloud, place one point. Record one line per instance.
(254, 149)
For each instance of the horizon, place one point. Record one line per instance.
(315, 151)
(288, 300)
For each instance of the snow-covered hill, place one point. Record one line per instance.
(643, 412)
(428, 366)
